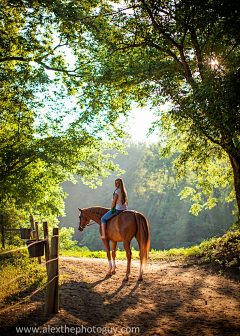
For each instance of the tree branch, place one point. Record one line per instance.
(159, 27)
(202, 129)
(233, 47)
(68, 72)
(58, 46)
(198, 51)
(187, 71)
(169, 52)
(38, 60)
(129, 46)
(104, 15)
(14, 58)
(17, 163)
(187, 19)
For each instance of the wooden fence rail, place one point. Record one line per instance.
(52, 263)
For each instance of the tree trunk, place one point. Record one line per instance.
(211, 219)
(235, 162)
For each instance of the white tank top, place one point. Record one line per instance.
(119, 205)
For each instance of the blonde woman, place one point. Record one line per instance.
(119, 204)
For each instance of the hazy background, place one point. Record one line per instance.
(152, 190)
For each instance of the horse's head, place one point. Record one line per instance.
(83, 220)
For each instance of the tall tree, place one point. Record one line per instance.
(42, 139)
(184, 52)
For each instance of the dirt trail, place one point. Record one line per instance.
(173, 299)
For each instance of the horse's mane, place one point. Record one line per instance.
(96, 210)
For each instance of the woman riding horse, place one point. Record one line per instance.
(122, 228)
(119, 204)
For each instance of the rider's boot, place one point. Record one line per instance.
(103, 230)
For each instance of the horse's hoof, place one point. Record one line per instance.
(125, 278)
(140, 278)
(109, 274)
(113, 272)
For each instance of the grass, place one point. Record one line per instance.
(20, 275)
(84, 252)
(223, 251)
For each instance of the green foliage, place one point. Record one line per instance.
(84, 252)
(222, 251)
(236, 224)
(45, 137)
(209, 176)
(184, 53)
(153, 189)
(91, 239)
(19, 274)
(65, 239)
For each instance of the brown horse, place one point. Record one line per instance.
(120, 228)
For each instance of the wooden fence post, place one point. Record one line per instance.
(3, 237)
(56, 297)
(46, 237)
(32, 226)
(52, 295)
(2, 230)
(37, 237)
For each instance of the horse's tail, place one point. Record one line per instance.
(143, 237)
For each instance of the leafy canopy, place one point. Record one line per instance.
(185, 53)
(50, 127)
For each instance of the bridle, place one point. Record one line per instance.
(88, 224)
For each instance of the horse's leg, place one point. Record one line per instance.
(114, 247)
(107, 247)
(126, 245)
(140, 277)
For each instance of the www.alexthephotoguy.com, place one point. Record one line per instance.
(77, 330)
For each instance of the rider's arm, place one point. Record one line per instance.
(114, 200)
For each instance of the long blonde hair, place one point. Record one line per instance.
(123, 190)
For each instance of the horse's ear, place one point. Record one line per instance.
(79, 209)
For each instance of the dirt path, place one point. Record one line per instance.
(173, 299)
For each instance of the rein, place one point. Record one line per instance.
(91, 223)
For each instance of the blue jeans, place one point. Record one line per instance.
(109, 215)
